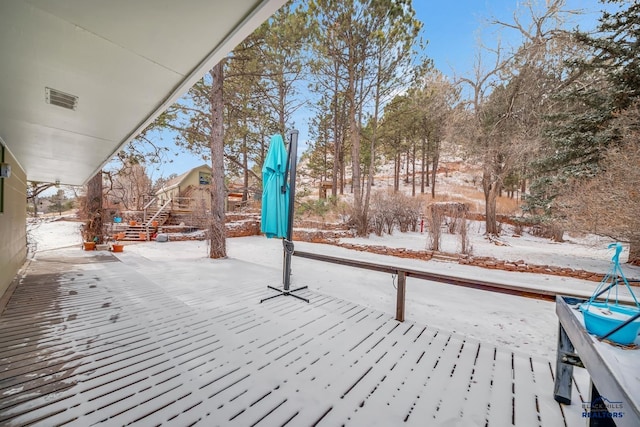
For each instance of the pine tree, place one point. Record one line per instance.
(600, 90)
(366, 42)
(596, 91)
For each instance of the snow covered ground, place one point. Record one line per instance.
(55, 232)
(521, 324)
(587, 253)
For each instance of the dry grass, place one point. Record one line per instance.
(474, 198)
(508, 206)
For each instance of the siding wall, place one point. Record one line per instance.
(13, 224)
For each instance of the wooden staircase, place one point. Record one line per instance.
(135, 232)
(154, 217)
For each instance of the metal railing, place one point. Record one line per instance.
(403, 273)
(146, 207)
(156, 215)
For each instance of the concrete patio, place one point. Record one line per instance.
(87, 338)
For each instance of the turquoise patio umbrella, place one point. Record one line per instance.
(275, 201)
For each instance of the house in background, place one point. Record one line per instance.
(189, 191)
(82, 79)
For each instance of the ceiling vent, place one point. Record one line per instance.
(61, 99)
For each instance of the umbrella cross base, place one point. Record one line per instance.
(284, 293)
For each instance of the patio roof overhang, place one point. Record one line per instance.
(81, 79)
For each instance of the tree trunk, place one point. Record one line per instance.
(356, 184)
(396, 173)
(434, 170)
(634, 252)
(354, 134)
(427, 167)
(372, 151)
(34, 199)
(282, 125)
(490, 212)
(263, 152)
(406, 169)
(337, 146)
(245, 167)
(427, 180)
(491, 189)
(325, 163)
(93, 209)
(557, 233)
(217, 248)
(342, 173)
(422, 166)
(413, 171)
(336, 168)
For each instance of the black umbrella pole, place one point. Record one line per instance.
(293, 154)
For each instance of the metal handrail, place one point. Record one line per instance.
(146, 206)
(403, 273)
(147, 223)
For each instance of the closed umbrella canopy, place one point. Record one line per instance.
(275, 202)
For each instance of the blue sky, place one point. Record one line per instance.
(452, 28)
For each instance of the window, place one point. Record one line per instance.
(205, 178)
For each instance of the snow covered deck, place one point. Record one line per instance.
(87, 338)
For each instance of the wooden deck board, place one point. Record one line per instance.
(502, 401)
(548, 408)
(86, 340)
(524, 393)
(456, 389)
(425, 407)
(476, 405)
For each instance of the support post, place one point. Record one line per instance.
(402, 286)
(291, 169)
(599, 415)
(564, 370)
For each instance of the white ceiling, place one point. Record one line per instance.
(125, 60)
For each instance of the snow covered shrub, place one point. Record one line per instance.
(382, 212)
(407, 211)
(377, 212)
(454, 216)
(388, 209)
(451, 213)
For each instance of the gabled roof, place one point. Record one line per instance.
(175, 182)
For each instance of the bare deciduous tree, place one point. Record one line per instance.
(34, 189)
(510, 100)
(128, 186)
